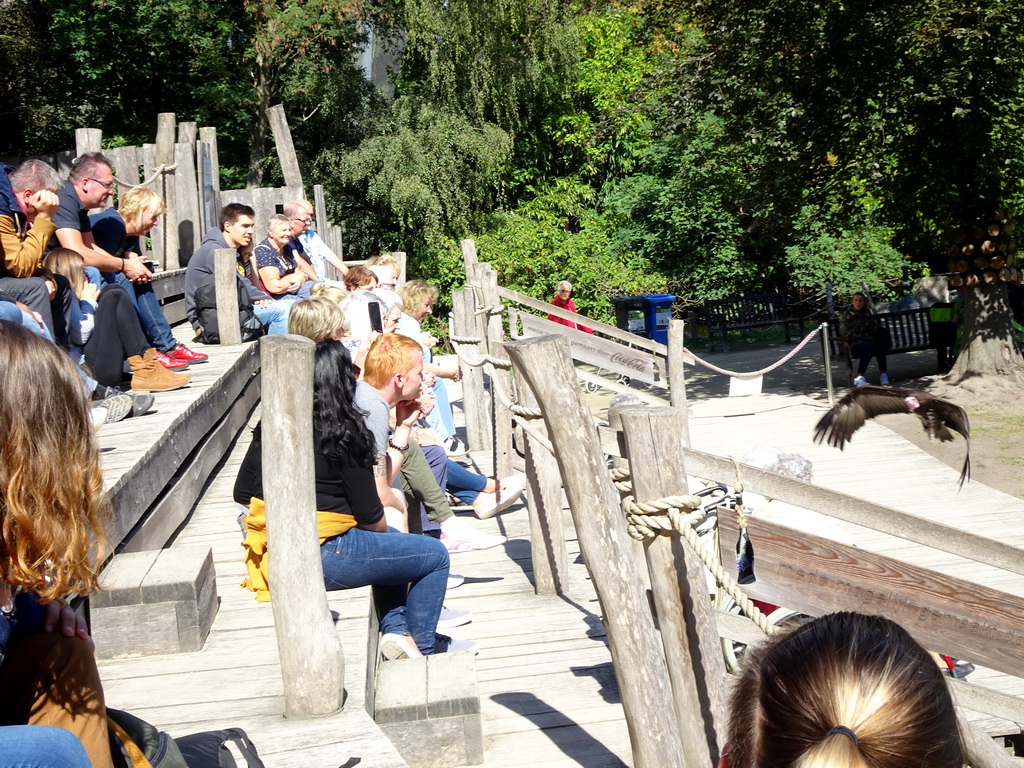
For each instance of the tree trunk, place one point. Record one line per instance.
(988, 347)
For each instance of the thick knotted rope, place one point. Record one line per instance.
(678, 514)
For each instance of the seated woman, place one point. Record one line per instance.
(106, 333)
(360, 277)
(278, 270)
(843, 690)
(857, 327)
(418, 299)
(52, 513)
(409, 573)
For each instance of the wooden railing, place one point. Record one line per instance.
(672, 679)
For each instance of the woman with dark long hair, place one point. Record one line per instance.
(52, 513)
(859, 329)
(409, 573)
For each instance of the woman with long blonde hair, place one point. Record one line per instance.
(843, 691)
(52, 515)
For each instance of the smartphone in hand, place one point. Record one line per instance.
(376, 321)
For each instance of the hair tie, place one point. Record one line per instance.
(846, 732)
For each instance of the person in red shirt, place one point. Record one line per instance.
(563, 300)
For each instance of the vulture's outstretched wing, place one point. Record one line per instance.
(849, 414)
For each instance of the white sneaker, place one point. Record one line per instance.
(455, 447)
(883, 380)
(487, 505)
(455, 580)
(445, 644)
(458, 536)
(453, 617)
(860, 381)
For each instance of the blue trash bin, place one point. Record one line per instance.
(631, 315)
(658, 313)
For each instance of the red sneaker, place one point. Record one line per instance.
(181, 352)
(170, 363)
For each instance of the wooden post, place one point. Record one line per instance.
(285, 148)
(226, 286)
(88, 140)
(320, 211)
(501, 379)
(312, 661)
(468, 256)
(165, 128)
(156, 239)
(474, 397)
(616, 406)
(676, 374)
(186, 195)
(547, 529)
(689, 632)
(640, 668)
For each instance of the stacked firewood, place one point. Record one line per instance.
(985, 253)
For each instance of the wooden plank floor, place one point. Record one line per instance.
(548, 691)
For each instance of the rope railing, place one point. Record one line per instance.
(157, 173)
(754, 374)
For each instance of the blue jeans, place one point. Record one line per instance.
(274, 316)
(463, 484)
(40, 746)
(147, 307)
(10, 312)
(409, 574)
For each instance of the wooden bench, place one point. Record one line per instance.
(909, 331)
(761, 310)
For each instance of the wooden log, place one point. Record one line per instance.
(147, 158)
(164, 155)
(320, 211)
(501, 379)
(312, 660)
(547, 530)
(186, 133)
(208, 135)
(88, 140)
(468, 255)
(475, 403)
(285, 148)
(689, 633)
(226, 287)
(639, 660)
(677, 374)
(186, 193)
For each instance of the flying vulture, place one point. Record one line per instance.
(863, 403)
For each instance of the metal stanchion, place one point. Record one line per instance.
(826, 352)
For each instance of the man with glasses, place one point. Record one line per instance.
(90, 185)
(309, 243)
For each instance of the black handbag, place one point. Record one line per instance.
(134, 743)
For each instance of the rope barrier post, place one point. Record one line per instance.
(226, 293)
(312, 660)
(689, 631)
(500, 379)
(547, 529)
(676, 373)
(474, 396)
(639, 661)
(826, 352)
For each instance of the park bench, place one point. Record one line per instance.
(762, 310)
(909, 330)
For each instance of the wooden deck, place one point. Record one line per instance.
(548, 691)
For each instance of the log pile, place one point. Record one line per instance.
(985, 253)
